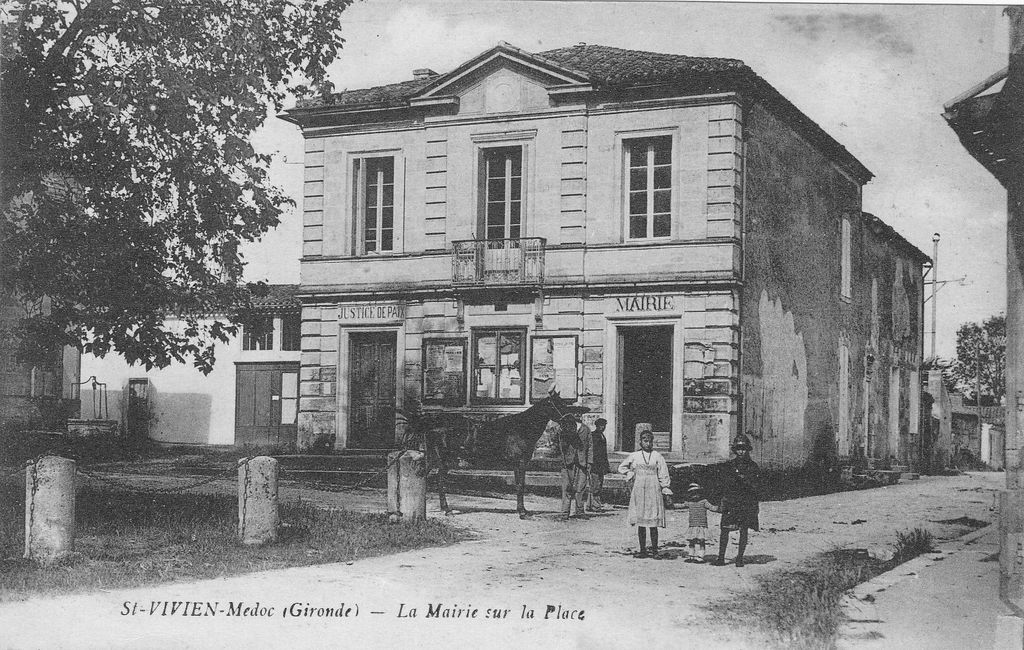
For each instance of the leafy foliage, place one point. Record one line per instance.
(981, 354)
(128, 178)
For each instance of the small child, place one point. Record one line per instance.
(697, 533)
(646, 506)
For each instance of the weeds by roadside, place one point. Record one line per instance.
(133, 539)
(909, 544)
(801, 609)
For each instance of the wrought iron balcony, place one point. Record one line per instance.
(498, 261)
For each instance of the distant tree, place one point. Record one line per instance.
(981, 354)
(127, 177)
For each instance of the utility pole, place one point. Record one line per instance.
(977, 389)
(935, 284)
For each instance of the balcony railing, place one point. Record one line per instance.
(498, 261)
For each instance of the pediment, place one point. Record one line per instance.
(501, 80)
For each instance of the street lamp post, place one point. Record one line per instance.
(935, 284)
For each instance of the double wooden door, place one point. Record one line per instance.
(266, 404)
(372, 390)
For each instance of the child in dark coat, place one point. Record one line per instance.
(739, 500)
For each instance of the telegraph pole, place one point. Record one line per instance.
(935, 284)
(977, 391)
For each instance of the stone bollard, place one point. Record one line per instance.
(407, 485)
(394, 511)
(258, 517)
(50, 509)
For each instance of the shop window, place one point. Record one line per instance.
(648, 187)
(291, 332)
(553, 366)
(501, 194)
(498, 359)
(258, 334)
(375, 204)
(444, 371)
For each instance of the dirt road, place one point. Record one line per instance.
(538, 581)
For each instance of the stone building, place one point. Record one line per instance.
(36, 393)
(664, 239)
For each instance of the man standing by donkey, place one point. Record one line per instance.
(576, 454)
(599, 467)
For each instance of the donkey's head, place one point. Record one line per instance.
(554, 406)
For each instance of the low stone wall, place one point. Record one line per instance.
(88, 428)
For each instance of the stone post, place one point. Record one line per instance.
(394, 507)
(50, 509)
(407, 485)
(258, 517)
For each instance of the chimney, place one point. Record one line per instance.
(423, 73)
(1016, 15)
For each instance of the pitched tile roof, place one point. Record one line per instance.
(612, 68)
(279, 297)
(395, 94)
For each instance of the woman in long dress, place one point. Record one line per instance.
(649, 473)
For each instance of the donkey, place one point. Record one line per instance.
(452, 441)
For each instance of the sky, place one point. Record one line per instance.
(875, 77)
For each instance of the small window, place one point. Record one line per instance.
(375, 204)
(648, 187)
(553, 366)
(498, 359)
(502, 192)
(291, 332)
(845, 261)
(444, 371)
(258, 334)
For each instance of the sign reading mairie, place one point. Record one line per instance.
(645, 302)
(372, 312)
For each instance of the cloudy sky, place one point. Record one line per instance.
(874, 76)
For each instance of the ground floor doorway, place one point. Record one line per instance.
(371, 390)
(645, 362)
(266, 404)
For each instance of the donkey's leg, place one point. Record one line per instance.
(520, 474)
(442, 472)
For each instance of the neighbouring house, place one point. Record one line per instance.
(250, 397)
(39, 393)
(977, 434)
(989, 121)
(936, 443)
(666, 240)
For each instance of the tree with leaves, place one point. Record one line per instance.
(127, 177)
(981, 358)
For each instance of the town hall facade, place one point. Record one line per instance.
(665, 240)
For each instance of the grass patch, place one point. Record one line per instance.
(134, 539)
(802, 609)
(911, 543)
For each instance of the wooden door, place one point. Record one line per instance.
(372, 390)
(266, 404)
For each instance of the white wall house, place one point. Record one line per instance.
(250, 397)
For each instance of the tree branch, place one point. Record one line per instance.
(75, 34)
